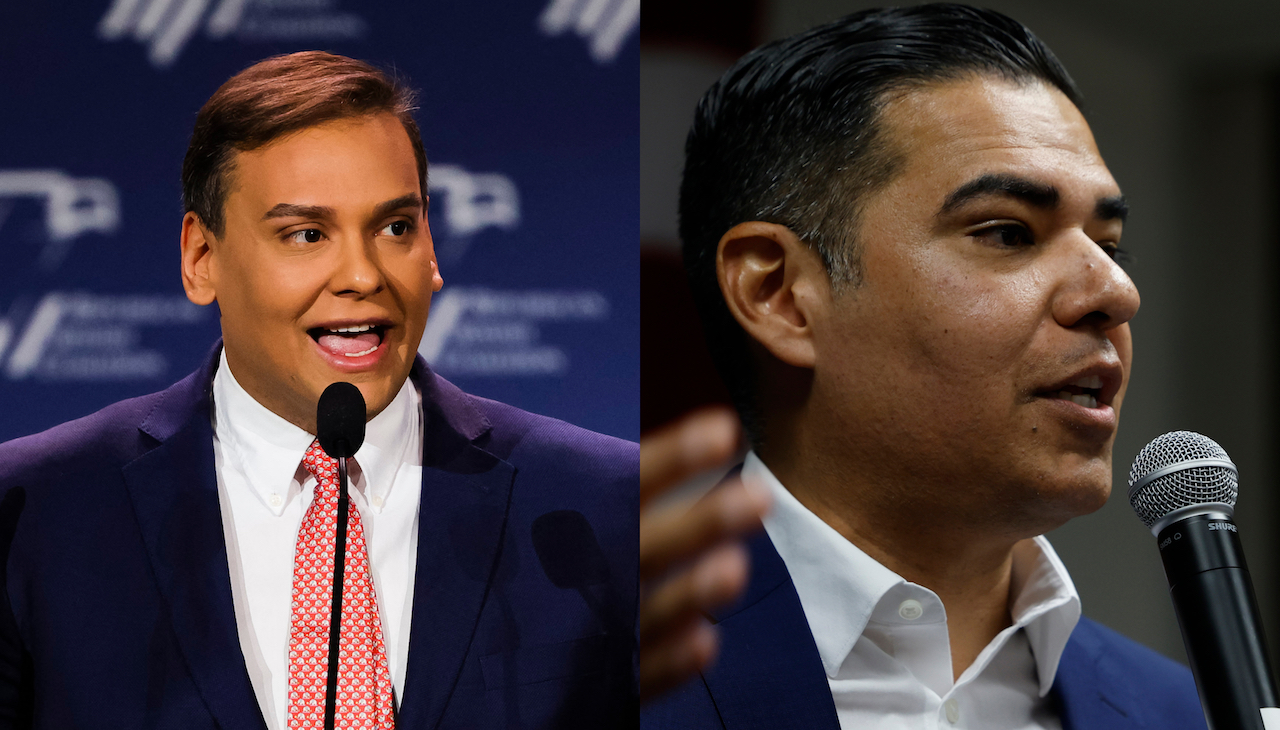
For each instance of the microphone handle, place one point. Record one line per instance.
(335, 610)
(1218, 614)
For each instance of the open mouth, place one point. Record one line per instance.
(354, 341)
(1083, 391)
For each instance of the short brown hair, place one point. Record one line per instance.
(274, 97)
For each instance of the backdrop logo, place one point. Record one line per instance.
(605, 24)
(77, 336)
(485, 332)
(166, 26)
(472, 201)
(72, 207)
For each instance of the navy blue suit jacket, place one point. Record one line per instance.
(118, 608)
(769, 675)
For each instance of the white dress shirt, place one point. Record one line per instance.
(264, 492)
(884, 641)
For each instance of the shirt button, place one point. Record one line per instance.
(953, 710)
(910, 609)
(377, 502)
(275, 500)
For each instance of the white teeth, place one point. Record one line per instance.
(1088, 400)
(357, 328)
(1092, 382)
(1085, 399)
(360, 354)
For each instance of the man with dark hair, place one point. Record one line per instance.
(902, 239)
(169, 560)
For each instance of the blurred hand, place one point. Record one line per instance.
(691, 554)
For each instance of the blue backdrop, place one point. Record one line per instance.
(529, 115)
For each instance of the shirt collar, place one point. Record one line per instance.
(388, 443)
(268, 450)
(1044, 602)
(840, 586)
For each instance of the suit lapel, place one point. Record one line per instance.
(769, 675)
(462, 515)
(1091, 692)
(175, 497)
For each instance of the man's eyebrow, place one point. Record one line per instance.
(1029, 191)
(293, 210)
(1113, 208)
(412, 200)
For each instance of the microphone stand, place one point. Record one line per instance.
(340, 419)
(335, 620)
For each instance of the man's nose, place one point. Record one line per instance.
(357, 270)
(1094, 289)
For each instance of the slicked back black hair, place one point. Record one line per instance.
(791, 135)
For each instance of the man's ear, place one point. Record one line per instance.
(197, 260)
(437, 281)
(771, 282)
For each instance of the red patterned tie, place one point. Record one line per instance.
(364, 680)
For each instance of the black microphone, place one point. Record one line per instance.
(340, 417)
(1183, 487)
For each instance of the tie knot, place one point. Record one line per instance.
(322, 466)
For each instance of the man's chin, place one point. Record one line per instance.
(1064, 502)
(379, 387)
(1046, 499)
(377, 396)
(1089, 500)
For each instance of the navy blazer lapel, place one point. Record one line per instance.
(466, 492)
(175, 497)
(1091, 692)
(769, 675)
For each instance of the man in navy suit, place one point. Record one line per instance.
(149, 549)
(904, 244)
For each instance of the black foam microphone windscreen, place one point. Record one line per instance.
(340, 418)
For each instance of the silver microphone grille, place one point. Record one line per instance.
(1180, 469)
